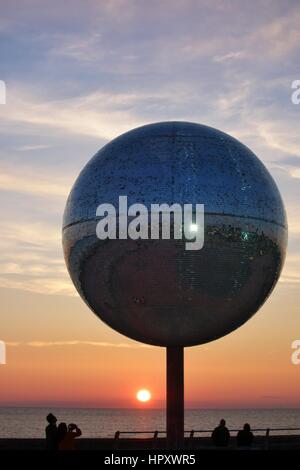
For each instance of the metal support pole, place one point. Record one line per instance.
(175, 397)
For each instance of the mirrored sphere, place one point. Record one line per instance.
(156, 291)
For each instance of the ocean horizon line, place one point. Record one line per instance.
(141, 408)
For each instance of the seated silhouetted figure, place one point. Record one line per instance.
(245, 437)
(51, 433)
(220, 435)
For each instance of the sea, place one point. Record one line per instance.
(104, 422)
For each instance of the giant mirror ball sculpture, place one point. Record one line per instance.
(156, 291)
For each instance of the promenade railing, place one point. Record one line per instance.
(193, 433)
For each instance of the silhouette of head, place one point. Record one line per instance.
(71, 427)
(62, 430)
(247, 427)
(51, 418)
(222, 422)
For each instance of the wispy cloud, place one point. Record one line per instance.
(229, 56)
(45, 285)
(279, 134)
(291, 271)
(32, 259)
(97, 114)
(30, 148)
(280, 36)
(41, 184)
(83, 48)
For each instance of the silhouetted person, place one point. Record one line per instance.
(68, 440)
(220, 435)
(61, 433)
(51, 433)
(245, 437)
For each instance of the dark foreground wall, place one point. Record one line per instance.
(274, 442)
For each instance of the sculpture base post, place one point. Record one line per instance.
(175, 397)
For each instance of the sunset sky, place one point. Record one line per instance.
(79, 73)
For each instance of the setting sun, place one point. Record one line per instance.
(143, 395)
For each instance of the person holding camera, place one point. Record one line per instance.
(67, 441)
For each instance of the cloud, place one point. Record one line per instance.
(83, 48)
(39, 235)
(290, 279)
(291, 270)
(97, 114)
(45, 285)
(18, 181)
(32, 258)
(273, 39)
(229, 56)
(30, 148)
(236, 100)
(280, 36)
(279, 134)
(290, 164)
(290, 161)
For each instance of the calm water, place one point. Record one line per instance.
(30, 422)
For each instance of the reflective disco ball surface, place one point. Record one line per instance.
(156, 291)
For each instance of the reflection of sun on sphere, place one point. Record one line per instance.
(154, 290)
(143, 395)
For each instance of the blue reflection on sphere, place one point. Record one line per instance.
(156, 291)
